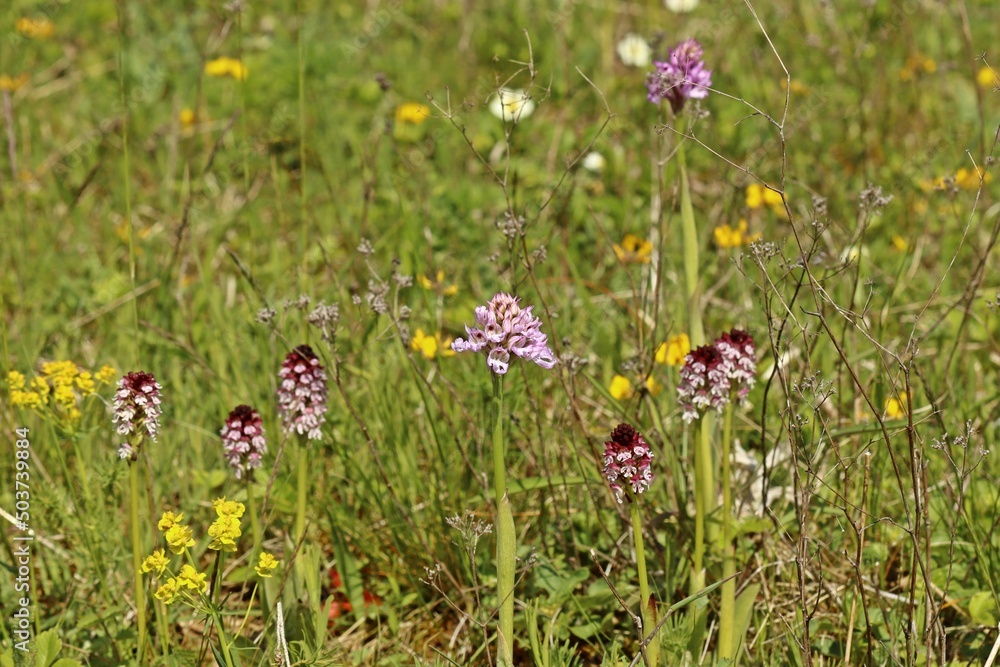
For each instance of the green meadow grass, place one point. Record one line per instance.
(879, 544)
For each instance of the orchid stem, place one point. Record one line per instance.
(506, 536)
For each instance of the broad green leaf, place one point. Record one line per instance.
(983, 608)
(47, 647)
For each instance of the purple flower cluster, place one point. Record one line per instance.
(626, 460)
(136, 411)
(682, 77)
(243, 439)
(712, 372)
(502, 328)
(302, 393)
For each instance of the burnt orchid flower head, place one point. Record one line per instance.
(243, 440)
(302, 393)
(136, 411)
(681, 77)
(713, 372)
(704, 382)
(738, 349)
(504, 328)
(627, 460)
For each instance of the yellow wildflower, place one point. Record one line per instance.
(915, 65)
(35, 28)
(226, 66)
(178, 538)
(31, 400)
(653, 387)
(193, 579)
(969, 179)
(60, 373)
(168, 519)
(672, 352)
(15, 380)
(412, 113)
(621, 388)
(63, 396)
(758, 196)
(797, 87)
(187, 119)
(168, 592)
(928, 184)
(438, 284)
(156, 561)
(85, 383)
(899, 243)
(266, 565)
(431, 346)
(895, 408)
(12, 83)
(106, 374)
(987, 78)
(225, 507)
(634, 250)
(727, 236)
(224, 532)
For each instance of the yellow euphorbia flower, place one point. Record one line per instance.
(106, 374)
(634, 250)
(193, 579)
(225, 507)
(168, 592)
(899, 243)
(178, 538)
(156, 561)
(431, 346)
(672, 352)
(266, 565)
(224, 532)
(168, 519)
(621, 388)
(15, 380)
(85, 383)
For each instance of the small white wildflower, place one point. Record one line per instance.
(511, 105)
(634, 51)
(594, 162)
(680, 6)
